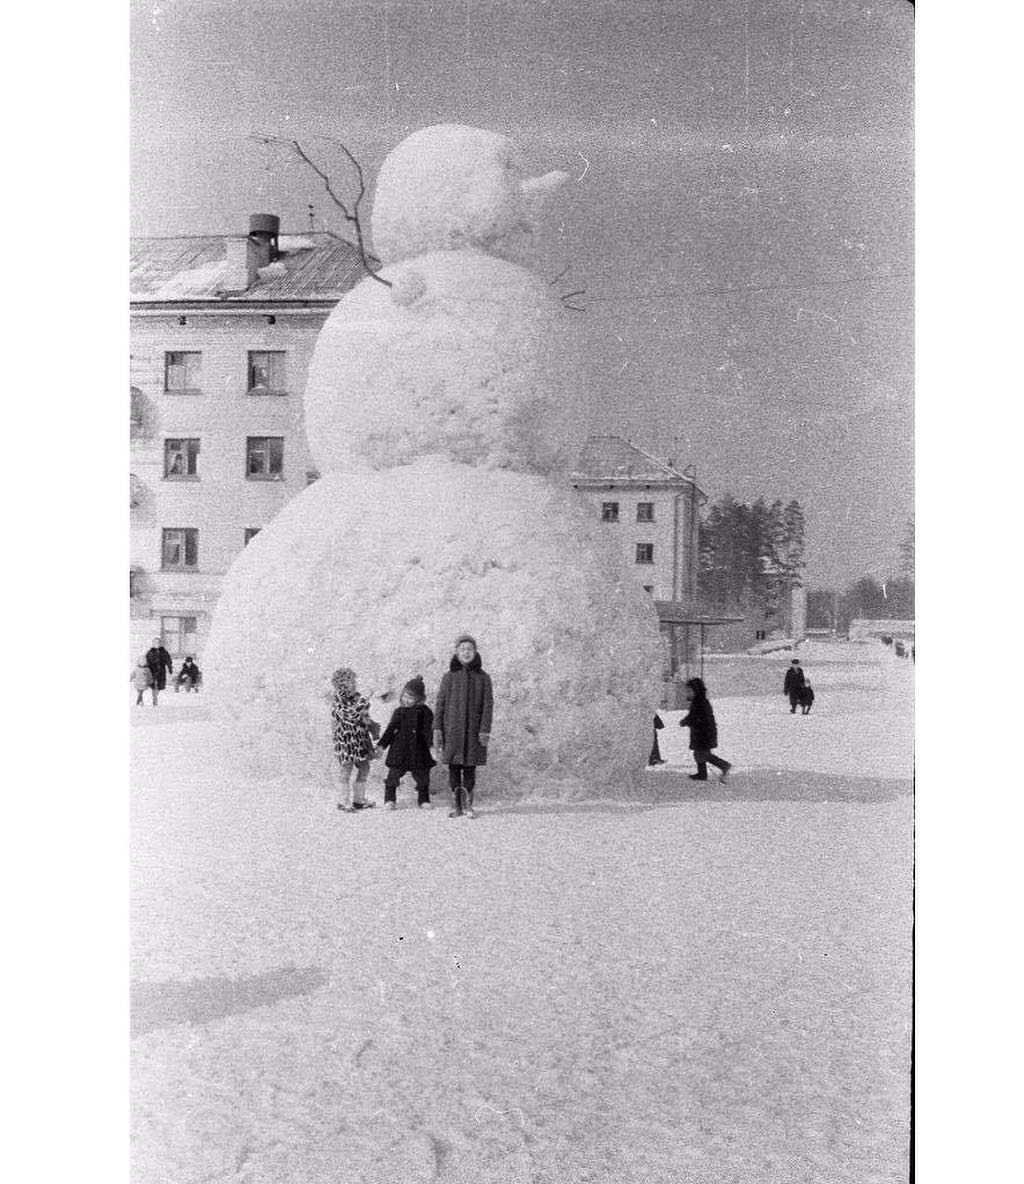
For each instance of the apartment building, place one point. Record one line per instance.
(650, 508)
(222, 331)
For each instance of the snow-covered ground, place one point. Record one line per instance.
(705, 983)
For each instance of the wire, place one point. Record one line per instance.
(696, 293)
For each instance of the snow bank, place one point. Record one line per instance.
(192, 280)
(482, 365)
(447, 187)
(381, 571)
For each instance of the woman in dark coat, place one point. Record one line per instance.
(462, 722)
(703, 731)
(407, 739)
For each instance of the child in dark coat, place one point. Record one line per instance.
(806, 698)
(703, 731)
(407, 738)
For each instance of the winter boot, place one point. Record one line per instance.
(725, 772)
(456, 810)
(470, 812)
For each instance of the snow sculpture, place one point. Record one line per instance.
(438, 411)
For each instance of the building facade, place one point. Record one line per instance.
(649, 508)
(222, 331)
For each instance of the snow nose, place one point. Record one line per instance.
(538, 186)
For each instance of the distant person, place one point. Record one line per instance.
(407, 739)
(656, 757)
(160, 665)
(792, 684)
(142, 681)
(806, 698)
(189, 676)
(462, 723)
(700, 719)
(353, 736)
(900, 649)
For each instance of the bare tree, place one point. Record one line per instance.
(351, 215)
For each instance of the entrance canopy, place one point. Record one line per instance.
(677, 616)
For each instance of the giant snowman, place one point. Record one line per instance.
(441, 411)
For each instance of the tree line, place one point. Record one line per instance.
(749, 552)
(890, 598)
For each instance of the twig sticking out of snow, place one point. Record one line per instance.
(352, 215)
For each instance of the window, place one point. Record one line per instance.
(264, 456)
(759, 635)
(609, 511)
(645, 511)
(180, 549)
(250, 533)
(645, 552)
(180, 457)
(311, 476)
(266, 373)
(178, 635)
(181, 373)
(134, 583)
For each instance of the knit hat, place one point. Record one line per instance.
(466, 637)
(344, 676)
(415, 687)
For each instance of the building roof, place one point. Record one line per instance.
(614, 460)
(315, 268)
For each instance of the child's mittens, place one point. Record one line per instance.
(485, 738)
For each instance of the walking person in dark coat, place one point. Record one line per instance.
(806, 698)
(793, 684)
(462, 723)
(159, 662)
(703, 731)
(407, 739)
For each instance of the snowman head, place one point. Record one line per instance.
(450, 187)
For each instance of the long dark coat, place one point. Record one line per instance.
(793, 681)
(701, 722)
(462, 710)
(159, 662)
(408, 737)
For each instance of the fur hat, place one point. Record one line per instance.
(466, 637)
(344, 676)
(415, 687)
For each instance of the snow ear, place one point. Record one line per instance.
(407, 288)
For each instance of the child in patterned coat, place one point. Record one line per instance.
(354, 736)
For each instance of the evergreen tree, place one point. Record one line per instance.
(793, 542)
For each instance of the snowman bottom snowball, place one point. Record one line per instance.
(382, 571)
